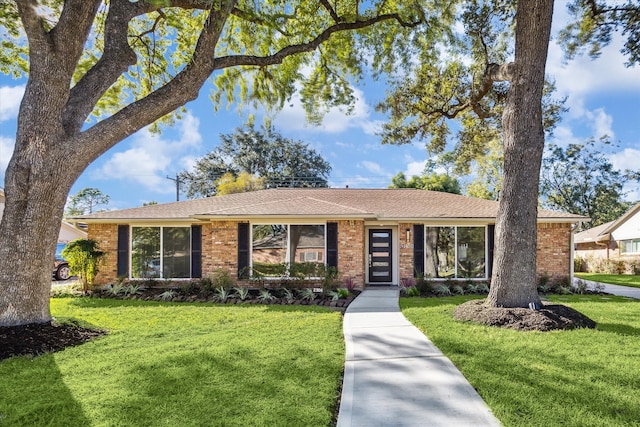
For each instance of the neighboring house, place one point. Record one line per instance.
(374, 236)
(67, 231)
(617, 240)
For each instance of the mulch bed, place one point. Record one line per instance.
(549, 317)
(39, 338)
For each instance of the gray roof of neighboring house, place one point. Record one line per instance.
(602, 232)
(374, 204)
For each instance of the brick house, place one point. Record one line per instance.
(617, 241)
(373, 236)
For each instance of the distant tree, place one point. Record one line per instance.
(85, 202)
(230, 184)
(265, 154)
(429, 181)
(580, 179)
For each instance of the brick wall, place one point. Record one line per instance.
(220, 247)
(107, 237)
(406, 251)
(351, 251)
(554, 250)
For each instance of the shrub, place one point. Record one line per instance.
(115, 289)
(222, 294)
(423, 284)
(167, 295)
(307, 294)
(188, 288)
(413, 292)
(350, 284)
(132, 289)
(458, 290)
(84, 257)
(242, 293)
(265, 296)
(441, 290)
(288, 295)
(221, 278)
(580, 287)
(343, 293)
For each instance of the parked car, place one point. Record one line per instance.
(61, 270)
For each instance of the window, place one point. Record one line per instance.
(455, 252)
(275, 247)
(631, 246)
(160, 252)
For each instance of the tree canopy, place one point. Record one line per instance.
(264, 154)
(580, 179)
(85, 202)
(427, 181)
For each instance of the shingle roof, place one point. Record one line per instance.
(392, 204)
(603, 231)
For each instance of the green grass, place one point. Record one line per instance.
(614, 279)
(571, 378)
(181, 364)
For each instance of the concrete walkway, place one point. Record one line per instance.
(395, 376)
(624, 291)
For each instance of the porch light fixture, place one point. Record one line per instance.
(408, 235)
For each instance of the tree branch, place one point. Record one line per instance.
(34, 27)
(278, 57)
(184, 87)
(115, 60)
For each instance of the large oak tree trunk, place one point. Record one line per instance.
(514, 268)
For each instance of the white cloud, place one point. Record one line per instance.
(415, 168)
(563, 136)
(10, 104)
(6, 151)
(372, 167)
(151, 156)
(600, 123)
(629, 158)
(336, 120)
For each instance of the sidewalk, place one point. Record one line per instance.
(395, 376)
(624, 291)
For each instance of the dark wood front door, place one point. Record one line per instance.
(380, 259)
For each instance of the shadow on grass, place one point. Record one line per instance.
(33, 393)
(620, 329)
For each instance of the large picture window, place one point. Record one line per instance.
(455, 252)
(275, 247)
(160, 252)
(631, 246)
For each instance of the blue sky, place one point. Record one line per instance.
(603, 97)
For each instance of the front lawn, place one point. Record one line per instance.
(615, 279)
(181, 364)
(575, 378)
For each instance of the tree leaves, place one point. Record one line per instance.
(252, 159)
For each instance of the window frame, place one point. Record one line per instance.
(287, 255)
(634, 242)
(161, 255)
(456, 260)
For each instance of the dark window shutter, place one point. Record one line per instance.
(243, 250)
(418, 250)
(123, 251)
(332, 244)
(491, 237)
(196, 251)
